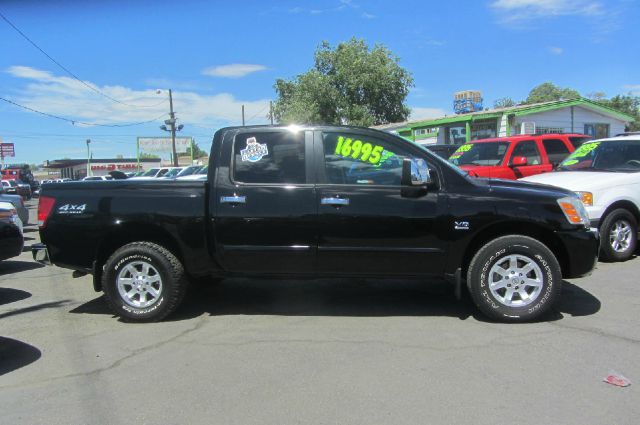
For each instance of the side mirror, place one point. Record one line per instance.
(518, 161)
(415, 172)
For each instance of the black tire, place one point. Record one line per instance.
(171, 291)
(607, 251)
(521, 248)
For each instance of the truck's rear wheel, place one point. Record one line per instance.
(514, 278)
(618, 235)
(143, 282)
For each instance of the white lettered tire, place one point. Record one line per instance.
(514, 278)
(143, 282)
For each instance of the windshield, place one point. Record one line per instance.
(173, 172)
(615, 155)
(203, 170)
(188, 171)
(486, 153)
(152, 172)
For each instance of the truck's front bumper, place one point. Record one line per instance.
(40, 253)
(581, 247)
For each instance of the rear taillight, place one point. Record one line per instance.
(45, 206)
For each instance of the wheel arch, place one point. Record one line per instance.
(128, 233)
(535, 231)
(621, 204)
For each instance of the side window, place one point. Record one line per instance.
(362, 160)
(529, 150)
(556, 150)
(269, 157)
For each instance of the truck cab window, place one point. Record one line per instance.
(362, 160)
(269, 157)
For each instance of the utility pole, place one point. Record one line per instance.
(271, 111)
(243, 115)
(88, 158)
(172, 117)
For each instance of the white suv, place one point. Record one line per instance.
(606, 175)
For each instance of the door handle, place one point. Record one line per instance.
(233, 199)
(336, 202)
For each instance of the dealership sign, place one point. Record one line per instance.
(111, 167)
(7, 149)
(163, 144)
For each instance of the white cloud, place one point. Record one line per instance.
(633, 89)
(556, 50)
(65, 96)
(519, 10)
(234, 70)
(368, 15)
(426, 113)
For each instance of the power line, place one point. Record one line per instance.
(74, 122)
(100, 92)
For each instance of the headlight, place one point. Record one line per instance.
(574, 211)
(586, 198)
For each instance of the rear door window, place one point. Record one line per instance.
(269, 157)
(556, 150)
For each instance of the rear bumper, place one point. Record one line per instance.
(40, 253)
(582, 248)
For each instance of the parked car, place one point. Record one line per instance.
(606, 175)
(291, 201)
(152, 173)
(515, 157)
(11, 239)
(13, 187)
(97, 178)
(200, 174)
(172, 173)
(18, 204)
(188, 171)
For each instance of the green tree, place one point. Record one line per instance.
(350, 84)
(504, 102)
(197, 152)
(148, 155)
(628, 104)
(548, 91)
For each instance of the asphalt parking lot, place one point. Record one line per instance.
(317, 352)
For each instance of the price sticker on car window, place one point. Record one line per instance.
(584, 150)
(461, 150)
(359, 150)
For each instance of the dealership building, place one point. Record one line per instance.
(562, 116)
(76, 169)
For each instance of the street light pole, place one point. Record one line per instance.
(88, 158)
(172, 117)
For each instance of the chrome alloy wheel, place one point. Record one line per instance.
(139, 284)
(620, 236)
(515, 280)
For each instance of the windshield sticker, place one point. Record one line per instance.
(362, 151)
(584, 150)
(254, 151)
(462, 149)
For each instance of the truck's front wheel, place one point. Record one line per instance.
(143, 282)
(514, 278)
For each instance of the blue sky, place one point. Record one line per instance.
(218, 55)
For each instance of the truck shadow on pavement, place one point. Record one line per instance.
(15, 354)
(10, 267)
(349, 298)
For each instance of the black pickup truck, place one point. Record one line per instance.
(318, 201)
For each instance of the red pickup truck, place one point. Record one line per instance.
(517, 156)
